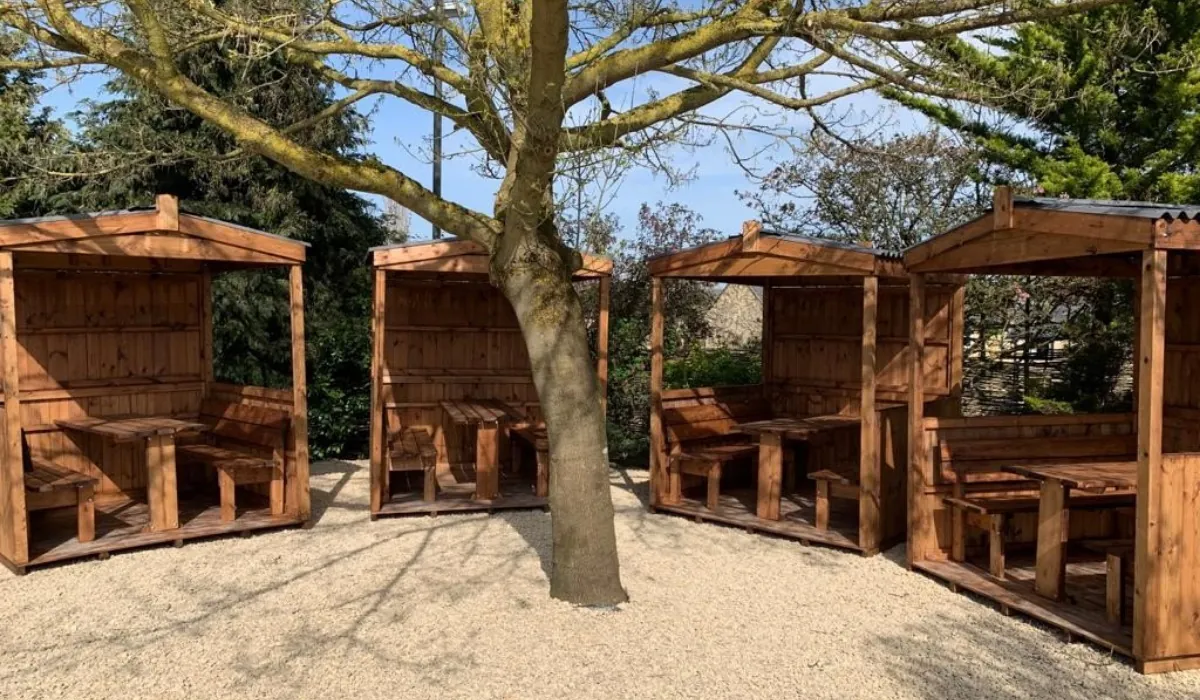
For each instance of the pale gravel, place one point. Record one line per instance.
(457, 606)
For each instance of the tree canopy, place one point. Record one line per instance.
(1101, 104)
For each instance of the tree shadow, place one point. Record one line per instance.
(941, 657)
(321, 500)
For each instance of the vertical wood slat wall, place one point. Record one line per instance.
(814, 340)
(814, 366)
(80, 336)
(97, 343)
(441, 331)
(1158, 248)
(447, 340)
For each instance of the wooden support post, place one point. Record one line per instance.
(542, 485)
(85, 512)
(14, 526)
(228, 488)
(713, 500)
(1002, 208)
(750, 234)
(167, 217)
(1149, 614)
(487, 462)
(275, 489)
(297, 485)
(1114, 589)
(996, 563)
(163, 493)
(869, 477)
(602, 343)
(207, 370)
(658, 448)
(822, 505)
(770, 475)
(378, 421)
(922, 537)
(768, 342)
(957, 337)
(1052, 531)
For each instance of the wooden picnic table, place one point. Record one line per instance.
(1057, 481)
(771, 434)
(489, 418)
(159, 433)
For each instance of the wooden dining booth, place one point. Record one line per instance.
(816, 451)
(1089, 523)
(115, 432)
(455, 419)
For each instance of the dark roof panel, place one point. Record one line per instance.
(1110, 207)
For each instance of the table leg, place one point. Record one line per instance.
(487, 462)
(1052, 540)
(770, 475)
(162, 492)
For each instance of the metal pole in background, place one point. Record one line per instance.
(437, 119)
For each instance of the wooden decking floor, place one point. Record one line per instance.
(515, 493)
(796, 511)
(123, 525)
(1080, 615)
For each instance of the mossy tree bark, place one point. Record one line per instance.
(585, 565)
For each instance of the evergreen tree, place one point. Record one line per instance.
(143, 145)
(26, 131)
(1100, 105)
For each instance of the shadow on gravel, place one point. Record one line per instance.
(958, 657)
(323, 500)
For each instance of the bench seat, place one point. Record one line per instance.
(221, 457)
(830, 484)
(991, 513)
(1118, 568)
(44, 476)
(48, 485)
(701, 440)
(244, 445)
(413, 450)
(536, 437)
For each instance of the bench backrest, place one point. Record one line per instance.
(251, 425)
(983, 456)
(712, 420)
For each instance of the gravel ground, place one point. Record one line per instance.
(457, 606)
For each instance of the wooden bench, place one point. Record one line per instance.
(412, 450)
(1118, 567)
(244, 445)
(701, 440)
(50, 486)
(830, 484)
(535, 436)
(984, 496)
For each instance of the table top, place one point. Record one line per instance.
(476, 411)
(798, 428)
(1085, 476)
(131, 428)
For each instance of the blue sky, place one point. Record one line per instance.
(400, 137)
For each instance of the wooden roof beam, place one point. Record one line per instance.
(750, 235)
(167, 208)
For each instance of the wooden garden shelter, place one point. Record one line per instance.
(830, 406)
(1115, 498)
(106, 352)
(455, 422)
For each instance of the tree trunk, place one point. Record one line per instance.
(585, 570)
